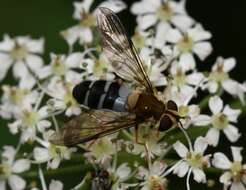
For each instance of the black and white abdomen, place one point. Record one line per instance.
(102, 94)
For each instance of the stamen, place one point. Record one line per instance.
(186, 136)
(41, 177)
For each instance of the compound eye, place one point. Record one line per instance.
(171, 105)
(165, 123)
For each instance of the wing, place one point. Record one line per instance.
(120, 50)
(91, 125)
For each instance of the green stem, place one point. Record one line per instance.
(204, 102)
(66, 170)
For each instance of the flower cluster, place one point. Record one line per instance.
(171, 46)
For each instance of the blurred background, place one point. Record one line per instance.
(46, 18)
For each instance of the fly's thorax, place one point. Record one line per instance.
(145, 105)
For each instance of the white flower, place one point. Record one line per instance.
(54, 185)
(29, 120)
(192, 160)
(182, 100)
(87, 20)
(14, 99)
(23, 53)
(220, 120)
(102, 149)
(63, 99)
(151, 138)
(193, 41)
(235, 174)
(219, 76)
(98, 68)
(10, 168)
(186, 83)
(154, 67)
(119, 176)
(50, 153)
(153, 178)
(63, 66)
(159, 12)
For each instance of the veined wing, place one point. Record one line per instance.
(91, 125)
(120, 49)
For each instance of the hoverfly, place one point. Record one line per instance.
(113, 106)
(101, 180)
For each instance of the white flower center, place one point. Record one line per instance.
(103, 146)
(196, 160)
(155, 182)
(19, 52)
(218, 75)
(180, 78)
(100, 68)
(55, 151)
(183, 111)
(87, 19)
(5, 171)
(68, 96)
(16, 95)
(30, 118)
(58, 66)
(164, 13)
(185, 44)
(138, 40)
(237, 171)
(220, 121)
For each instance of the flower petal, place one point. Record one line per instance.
(232, 114)
(35, 46)
(200, 145)
(195, 78)
(123, 171)
(236, 153)
(34, 62)
(215, 104)
(229, 64)
(183, 22)
(221, 161)
(21, 165)
(199, 175)
(161, 33)
(202, 49)
(55, 185)
(187, 61)
(213, 136)
(146, 21)
(202, 120)
(114, 5)
(180, 149)
(237, 186)
(226, 178)
(181, 169)
(41, 154)
(232, 133)
(199, 34)
(16, 182)
(174, 36)
(5, 63)
(2, 185)
(7, 44)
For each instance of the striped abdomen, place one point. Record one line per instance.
(101, 95)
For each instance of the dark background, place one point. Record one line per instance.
(225, 19)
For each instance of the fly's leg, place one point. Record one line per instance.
(145, 144)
